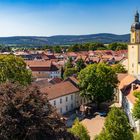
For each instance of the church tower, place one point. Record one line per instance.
(134, 48)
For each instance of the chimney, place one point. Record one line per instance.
(133, 86)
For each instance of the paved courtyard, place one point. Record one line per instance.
(94, 125)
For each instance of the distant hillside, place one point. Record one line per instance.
(64, 39)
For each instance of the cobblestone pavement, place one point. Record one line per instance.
(94, 125)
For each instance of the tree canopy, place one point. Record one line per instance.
(136, 136)
(86, 47)
(97, 82)
(116, 126)
(119, 68)
(79, 130)
(14, 69)
(117, 46)
(80, 64)
(26, 114)
(69, 64)
(136, 109)
(5, 48)
(69, 72)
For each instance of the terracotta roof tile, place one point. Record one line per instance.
(121, 76)
(55, 80)
(58, 90)
(37, 63)
(130, 94)
(126, 81)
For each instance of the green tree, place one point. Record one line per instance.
(136, 109)
(79, 130)
(117, 46)
(136, 136)
(80, 64)
(26, 114)
(98, 45)
(122, 47)
(119, 68)
(57, 49)
(69, 72)
(74, 48)
(116, 126)
(14, 69)
(101, 136)
(69, 63)
(87, 47)
(97, 82)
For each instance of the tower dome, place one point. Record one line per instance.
(136, 24)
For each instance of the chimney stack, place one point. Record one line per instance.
(133, 86)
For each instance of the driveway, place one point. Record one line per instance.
(94, 125)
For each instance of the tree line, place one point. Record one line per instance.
(70, 48)
(87, 47)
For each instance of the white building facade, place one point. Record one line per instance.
(68, 103)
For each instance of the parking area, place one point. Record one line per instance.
(94, 125)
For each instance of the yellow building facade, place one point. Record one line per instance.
(134, 48)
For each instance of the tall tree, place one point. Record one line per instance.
(97, 82)
(136, 136)
(26, 114)
(57, 49)
(79, 130)
(14, 69)
(117, 46)
(69, 72)
(69, 63)
(116, 126)
(119, 68)
(74, 48)
(136, 109)
(80, 64)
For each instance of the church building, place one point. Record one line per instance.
(131, 82)
(134, 48)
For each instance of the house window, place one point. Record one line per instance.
(81, 101)
(60, 101)
(133, 40)
(84, 100)
(71, 106)
(66, 108)
(61, 111)
(54, 103)
(71, 97)
(66, 99)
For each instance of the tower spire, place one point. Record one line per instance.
(137, 16)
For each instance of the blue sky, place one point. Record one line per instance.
(66, 17)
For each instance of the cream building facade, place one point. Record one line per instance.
(131, 83)
(134, 48)
(64, 96)
(68, 102)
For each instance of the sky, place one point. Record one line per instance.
(66, 17)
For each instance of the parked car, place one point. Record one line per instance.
(103, 114)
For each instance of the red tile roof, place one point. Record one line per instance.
(121, 76)
(59, 90)
(36, 65)
(130, 94)
(55, 80)
(127, 81)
